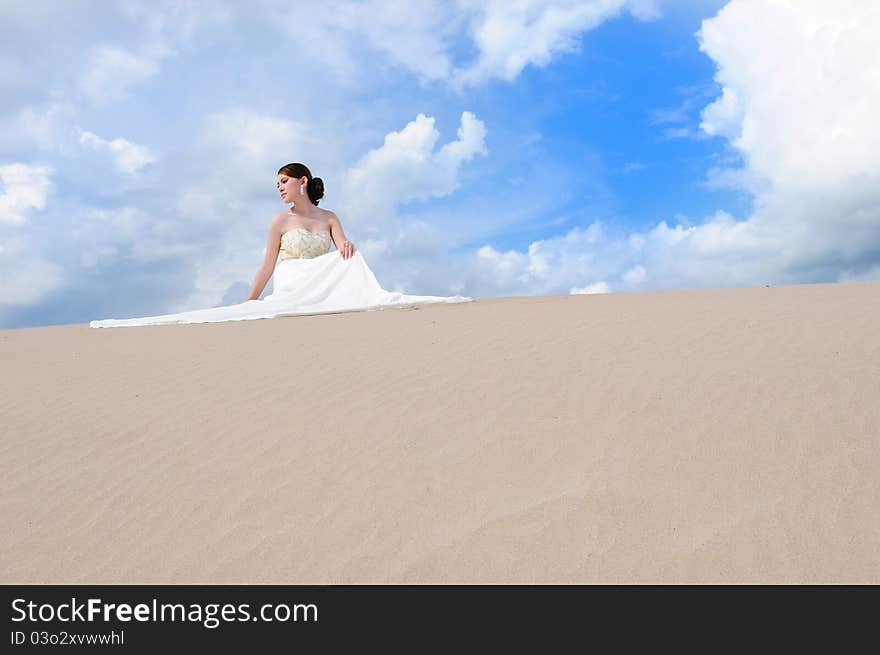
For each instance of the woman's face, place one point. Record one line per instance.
(288, 186)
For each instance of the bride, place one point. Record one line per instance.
(309, 279)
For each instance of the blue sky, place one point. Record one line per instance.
(480, 148)
(606, 117)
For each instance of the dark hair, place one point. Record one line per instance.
(315, 186)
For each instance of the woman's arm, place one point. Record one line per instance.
(273, 245)
(343, 245)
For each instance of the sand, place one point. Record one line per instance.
(697, 436)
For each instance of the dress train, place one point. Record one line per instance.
(318, 285)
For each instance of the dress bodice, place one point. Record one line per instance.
(299, 243)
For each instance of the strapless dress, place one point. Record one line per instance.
(308, 279)
(299, 243)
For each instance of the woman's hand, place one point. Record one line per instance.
(347, 250)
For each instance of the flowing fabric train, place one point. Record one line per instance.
(320, 285)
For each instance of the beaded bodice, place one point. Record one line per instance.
(299, 243)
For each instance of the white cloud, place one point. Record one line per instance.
(724, 116)
(510, 36)
(232, 161)
(631, 166)
(103, 234)
(129, 157)
(800, 100)
(176, 20)
(412, 36)
(548, 266)
(676, 133)
(596, 287)
(635, 275)
(113, 69)
(405, 251)
(694, 97)
(251, 140)
(424, 37)
(23, 188)
(801, 95)
(43, 127)
(27, 277)
(408, 167)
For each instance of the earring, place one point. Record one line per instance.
(300, 188)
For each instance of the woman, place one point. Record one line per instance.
(309, 279)
(303, 216)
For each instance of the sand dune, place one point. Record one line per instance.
(717, 435)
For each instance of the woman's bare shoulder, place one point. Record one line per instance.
(329, 215)
(279, 218)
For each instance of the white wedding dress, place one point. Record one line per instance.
(309, 279)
